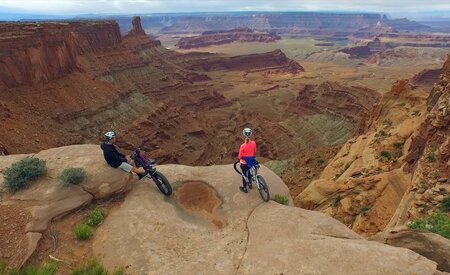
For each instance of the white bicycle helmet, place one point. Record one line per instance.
(110, 135)
(247, 132)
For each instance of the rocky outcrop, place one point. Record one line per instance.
(364, 184)
(429, 245)
(137, 39)
(3, 151)
(426, 77)
(192, 232)
(428, 156)
(275, 61)
(355, 103)
(35, 53)
(226, 37)
(48, 199)
(357, 52)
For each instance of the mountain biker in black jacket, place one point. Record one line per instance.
(116, 159)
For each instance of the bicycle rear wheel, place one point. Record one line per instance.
(163, 184)
(263, 188)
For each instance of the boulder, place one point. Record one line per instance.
(427, 244)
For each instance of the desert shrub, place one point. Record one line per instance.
(34, 269)
(2, 268)
(281, 199)
(431, 157)
(397, 154)
(398, 145)
(364, 209)
(20, 174)
(320, 162)
(387, 122)
(96, 216)
(120, 270)
(433, 147)
(438, 223)
(416, 113)
(95, 267)
(82, 231)
(385, 154)
(445, 205)
(72, 175)
(381, 133)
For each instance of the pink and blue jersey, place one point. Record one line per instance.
(247, 153)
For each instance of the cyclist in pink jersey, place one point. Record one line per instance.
(247, 155)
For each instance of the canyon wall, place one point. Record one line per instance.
(34, 53)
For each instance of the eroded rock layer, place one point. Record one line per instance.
(225, 37)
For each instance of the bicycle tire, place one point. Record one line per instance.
(264, 189)
(163, 184)
(236, 169)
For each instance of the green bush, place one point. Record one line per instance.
(96, 216)
(72, 175)
(120, 270)
(82, 231)
(431, 157)
(34, 269)
(364, 209)
(398, 145)
(438, 223)
(381, 133)
(445, 205)
(385, 154)
(281, 199)
(20, 174)
(387, 122)
(95, 267)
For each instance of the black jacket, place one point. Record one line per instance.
(112, 156)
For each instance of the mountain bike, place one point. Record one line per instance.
(149, 166)
(258, 179)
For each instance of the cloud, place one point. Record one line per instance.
(155, 6)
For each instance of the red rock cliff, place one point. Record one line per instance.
(35, 53)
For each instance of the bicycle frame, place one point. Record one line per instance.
(254, 173)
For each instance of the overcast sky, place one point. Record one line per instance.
(157, 6)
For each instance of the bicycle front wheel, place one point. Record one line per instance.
(163, 184)
(263, 188)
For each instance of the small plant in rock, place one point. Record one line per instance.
(381, 133)
(364, 210)
(416, 113)
(33, 269)
(73, 175)
(20, 174)
(385, 154)
(337, 200)
(398, 145)
(95, 267)
(431, 157)
(82, 231)
(445, 205)
(387, 122)
(120, 270)
(96, 216)
(320, 162)
(423, 184)
(281, 199)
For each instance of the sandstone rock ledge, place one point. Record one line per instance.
(223, 231)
